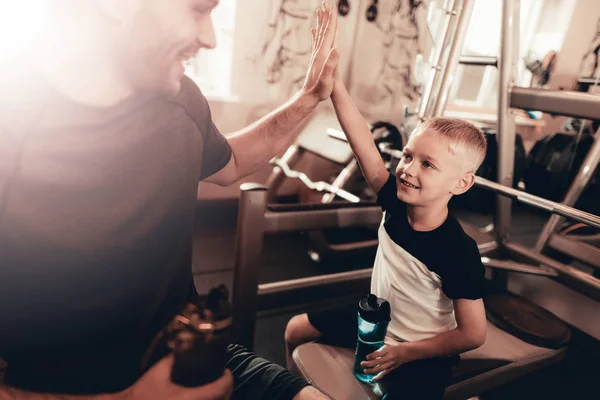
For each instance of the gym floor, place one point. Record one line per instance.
(286, 258)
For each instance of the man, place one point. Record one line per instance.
(102, 145)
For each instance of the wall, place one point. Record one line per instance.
(373, 62)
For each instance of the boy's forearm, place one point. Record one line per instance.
(8, 393)
(360, 138)
(442, 345)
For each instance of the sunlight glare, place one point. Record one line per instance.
(20, 22)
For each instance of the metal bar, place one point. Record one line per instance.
(300, 298)
(593, 239)
(478, 234)
(341, 180)
(509, 55)
(585, 174)
(294, 221)
(248, 251)
(462, 26)
(580, 251)
(353, 246)
(538, 202)
(487, 247)
(449, 29)
(517, 267)
(274, 181)
(584, 283)
(318, 186)
(557, 102)
(483, 61)
(312, 281)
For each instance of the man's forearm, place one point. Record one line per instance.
(255, 145)
(8, 393)
(442, 345)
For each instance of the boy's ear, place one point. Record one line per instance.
(464, 183)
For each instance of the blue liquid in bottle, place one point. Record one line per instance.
(363, 349)
(370, 338)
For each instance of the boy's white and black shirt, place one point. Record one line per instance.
(421, 273)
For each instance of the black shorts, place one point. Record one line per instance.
(256, 378)
(339, 326)
(421, 379)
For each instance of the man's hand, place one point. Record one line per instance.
(383, 361)
(156, 384)
(324, 58)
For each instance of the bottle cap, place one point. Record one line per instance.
(374, 309)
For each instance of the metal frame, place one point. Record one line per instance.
(583, 282)
(248, 255)
(518, 267)
(432, 87)
(586, 171)
(483, 61)
(341, 180)
(556, 102)
(256, 218)
(277, 176)
(575, 104)
(538, 202)
(462, 26)
(576, 249)
(509, 50)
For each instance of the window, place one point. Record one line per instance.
(20, 22)
(543, 24)
(212, 69)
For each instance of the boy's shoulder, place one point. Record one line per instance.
(453, 230)
(458, 241)
(462, 271)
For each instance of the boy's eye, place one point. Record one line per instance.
(427, 164)
(406, 156)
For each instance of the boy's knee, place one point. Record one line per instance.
(299, 330)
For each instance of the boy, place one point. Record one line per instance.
(426, 266)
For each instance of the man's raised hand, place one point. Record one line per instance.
(324, 58)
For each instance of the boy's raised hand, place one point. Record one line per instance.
(324, 59)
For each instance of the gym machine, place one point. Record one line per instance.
(505, 356)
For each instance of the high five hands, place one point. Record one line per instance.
(324, 58)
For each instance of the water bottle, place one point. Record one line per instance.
(199, 339)
(373, 320)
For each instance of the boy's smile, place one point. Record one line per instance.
(428, 171)
(405, 184)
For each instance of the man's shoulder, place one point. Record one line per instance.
(191, 99)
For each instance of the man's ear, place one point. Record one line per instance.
(464, 183)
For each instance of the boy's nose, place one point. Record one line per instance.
(408, 170)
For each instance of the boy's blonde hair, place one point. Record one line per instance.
(465, 140)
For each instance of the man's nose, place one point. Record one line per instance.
(206, 34)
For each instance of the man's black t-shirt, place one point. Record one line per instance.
(96, 213)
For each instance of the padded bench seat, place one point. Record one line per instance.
(501, 359)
